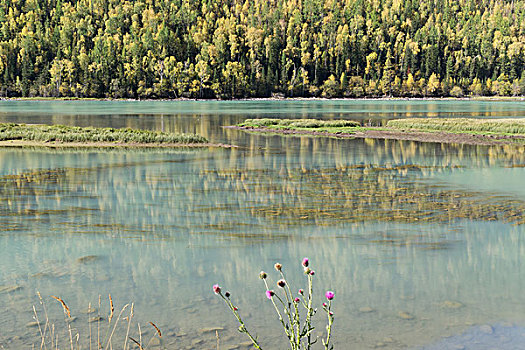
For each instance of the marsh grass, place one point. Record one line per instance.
(102, 330)
(461, 125)
(69, 134)
(451, 125)
(290, 124)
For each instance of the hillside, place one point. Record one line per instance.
(256, 48)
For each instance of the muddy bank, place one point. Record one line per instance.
(383, 133)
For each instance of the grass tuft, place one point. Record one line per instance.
(290, 124)
(461, 125)
(62, 133)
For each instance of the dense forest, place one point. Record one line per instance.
(261, 48)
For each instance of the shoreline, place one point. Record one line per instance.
(418, 136)
(54, 144)
(255, 99)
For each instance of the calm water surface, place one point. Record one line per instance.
(418, 241)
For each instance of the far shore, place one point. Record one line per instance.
(472, 98)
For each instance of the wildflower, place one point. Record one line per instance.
(278, 266)
(281, 283)
(296, 300)
(325, 305)
(312, 273)
(235, 308)
(307, 270)
(227, 294)
(301, 291)
(270, 294)
(216, 289)
(305, 262)
(262, 275)
(331, 313)
(329, 295)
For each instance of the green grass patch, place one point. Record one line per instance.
(461, 125)
(62, 133)
(290, 124)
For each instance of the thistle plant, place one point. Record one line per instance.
(295, 312)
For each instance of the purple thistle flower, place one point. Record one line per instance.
(216, 289)
(270, 294)
(329, 295)
(305, 262)
(296, 300)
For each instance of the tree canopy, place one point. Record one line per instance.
(256, 48)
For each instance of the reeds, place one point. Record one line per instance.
(51, 336)
(69, 134)
(461, 125)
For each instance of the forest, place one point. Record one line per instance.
(261, 48)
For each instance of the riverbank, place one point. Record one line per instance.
(472, 98)
(487, 132)
(17, 135)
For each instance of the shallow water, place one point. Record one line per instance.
(418, 241)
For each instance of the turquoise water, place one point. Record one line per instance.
(418, 241)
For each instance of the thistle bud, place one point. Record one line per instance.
(281, 283)
(216, 288)
(262, 275)
(278, 266)
(305, 262)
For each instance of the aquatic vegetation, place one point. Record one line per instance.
(463, 125)
(290, 124)
(298, 329)
(63, 133)
(364, 193)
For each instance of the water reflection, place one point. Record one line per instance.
(207, 117)
(413, 247)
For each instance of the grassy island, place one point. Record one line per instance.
(443, 130)
(60, 135)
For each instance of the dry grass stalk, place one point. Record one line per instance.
(98, 322)
(111, 307)
(42, 335)
(136, 342)
(108, 343)
(157, 329)
(66, 309)
(129, 325)
(89, 325)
